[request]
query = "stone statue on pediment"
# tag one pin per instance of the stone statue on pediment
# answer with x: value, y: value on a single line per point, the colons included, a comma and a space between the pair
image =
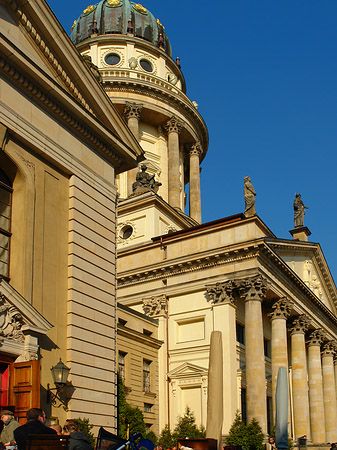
x: 145, y: 182
x: 249, y: 194
x: 299, y: 211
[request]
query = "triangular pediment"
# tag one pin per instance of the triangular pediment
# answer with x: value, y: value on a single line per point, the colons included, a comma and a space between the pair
x: 18, y: 316
x: 187, y: 370
x: 306, y: 259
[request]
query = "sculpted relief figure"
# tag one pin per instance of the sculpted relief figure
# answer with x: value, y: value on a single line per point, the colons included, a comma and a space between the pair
x: 299, y: 211
x: 249, y: 194
x: 144, y: 182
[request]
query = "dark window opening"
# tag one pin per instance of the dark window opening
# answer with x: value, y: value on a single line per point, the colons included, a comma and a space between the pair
x: 240, y: 333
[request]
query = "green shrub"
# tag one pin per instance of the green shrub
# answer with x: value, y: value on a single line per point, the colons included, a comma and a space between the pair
x: 248, y: 436
x: 85, y: 427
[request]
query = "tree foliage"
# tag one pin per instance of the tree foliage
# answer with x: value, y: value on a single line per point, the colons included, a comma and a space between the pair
x: 85, y: 427
x: 248, y: 436
x: 186, y: 428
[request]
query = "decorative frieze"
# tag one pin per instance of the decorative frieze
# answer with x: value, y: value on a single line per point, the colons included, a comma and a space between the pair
x: 281, y: 309
x: 155, y: 306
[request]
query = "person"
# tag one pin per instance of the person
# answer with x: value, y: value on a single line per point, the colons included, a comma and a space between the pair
x: 249, y: 194
x: 36, y: 419
x: 57, y: 428
x: 78, y: 441
x: 10, y: 424
x: 272, y: 445
x: 299, y: 211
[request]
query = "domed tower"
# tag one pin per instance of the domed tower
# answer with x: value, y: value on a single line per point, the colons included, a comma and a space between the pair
x: 133, y: 54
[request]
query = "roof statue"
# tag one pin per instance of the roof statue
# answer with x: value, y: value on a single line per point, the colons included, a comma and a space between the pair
x: 299, y: 211
x: 249, y: 194
x: 144, y: 182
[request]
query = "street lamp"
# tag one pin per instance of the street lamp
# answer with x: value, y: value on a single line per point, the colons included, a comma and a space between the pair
x: 60, y: 374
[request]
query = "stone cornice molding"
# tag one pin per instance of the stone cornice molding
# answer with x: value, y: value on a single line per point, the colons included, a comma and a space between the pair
x: 222, y: 293
x: 300, y: 325
x: 139, y: 337
x: 329, y: 349
x: 173, y: 125
x: 155, y: 306
x: 281, y: 309
x: 195, y: 149
x: 253, y: 288
x: 133, y: 109
x: 42, y: 96
x: 316, y: 337
x: 48, y: 54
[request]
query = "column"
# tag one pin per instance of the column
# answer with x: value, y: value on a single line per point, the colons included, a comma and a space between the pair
x: 317, y: 417
x: 224, y: 319
x: 173, y: 127
x: 132, y: 113
x: 195, y: 197
x: 329, y: 391
x: 252, y: 291
x: 300, y: 377
x: 279, y: 351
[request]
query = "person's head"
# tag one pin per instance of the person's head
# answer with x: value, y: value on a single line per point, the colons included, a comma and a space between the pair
x: 57, y: 428
x: 271, y: 440
x: 70, y: 426
x: 6, y: 415
x: 36, y: 414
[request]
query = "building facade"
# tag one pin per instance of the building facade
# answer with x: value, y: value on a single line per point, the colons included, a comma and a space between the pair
x: 62, y: 145
x: 274, y: 300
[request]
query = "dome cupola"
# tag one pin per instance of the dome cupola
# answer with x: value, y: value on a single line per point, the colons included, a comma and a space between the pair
x: 120, y: 17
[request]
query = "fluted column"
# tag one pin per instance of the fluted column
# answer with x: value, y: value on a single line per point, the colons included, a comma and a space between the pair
x: 252, y: 291
x: 222, y: 298
x: 279, y: 350
x: 173, y: 127
x: 329, y: 391
x: 132, y: 113
x: 300, y: 377
x: 317, y: 417
x: 195, y: 196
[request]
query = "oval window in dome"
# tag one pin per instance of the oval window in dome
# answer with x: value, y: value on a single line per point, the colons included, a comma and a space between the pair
x: 126, y: 232
x: 146, y: 65
x: 112, y: 59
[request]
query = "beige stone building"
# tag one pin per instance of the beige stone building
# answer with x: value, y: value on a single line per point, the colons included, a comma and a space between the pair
x: 274, y: 300
x: 138, y: 346
x: 62, y: 144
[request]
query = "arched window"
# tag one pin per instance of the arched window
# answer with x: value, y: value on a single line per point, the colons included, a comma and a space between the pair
x: 5, y: 222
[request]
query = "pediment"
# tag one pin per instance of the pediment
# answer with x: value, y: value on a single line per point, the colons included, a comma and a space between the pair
x: 187, y: 370
x: 18, y: 316
x: 308, y: 262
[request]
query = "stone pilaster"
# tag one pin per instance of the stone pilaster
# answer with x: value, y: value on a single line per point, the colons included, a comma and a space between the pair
x: 300, y: 377
x: 222, y: 298
x: 329, y: 391
x: 195, y: 195
x: 132, y: 113
x: 252, y: 291
x: 279, y: 351
x: 317, y: 416
x: 173, y: 127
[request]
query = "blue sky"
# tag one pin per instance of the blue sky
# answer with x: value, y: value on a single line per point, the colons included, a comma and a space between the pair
x: 264, y: 73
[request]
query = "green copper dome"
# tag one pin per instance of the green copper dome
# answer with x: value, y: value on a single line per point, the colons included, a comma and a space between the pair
x: 120, y: 17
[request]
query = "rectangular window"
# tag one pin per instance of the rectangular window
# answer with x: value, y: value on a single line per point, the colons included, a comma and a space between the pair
x: 146, y: 375
x: 269, y: 414
x: 244, y: 406
x: 240, y: 333
x: 147, y: 407
x: 5, y: 225
x: 121, y: 365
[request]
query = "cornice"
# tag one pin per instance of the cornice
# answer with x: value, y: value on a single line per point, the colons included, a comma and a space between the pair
x: 48, y: 54
x: 139, y: 337
x: 180, y: 101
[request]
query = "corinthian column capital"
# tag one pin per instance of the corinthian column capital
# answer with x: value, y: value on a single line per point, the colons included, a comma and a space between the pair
x: 252, y: 288
x: 195, y: 149
x: 173, y: 125
x: 329, y: 348
x: 281, y: 309
x: 155, y: 306
x: 133, y: 110
x: 316, y: 337
x: 299, y: 325
x: 222, y: 292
